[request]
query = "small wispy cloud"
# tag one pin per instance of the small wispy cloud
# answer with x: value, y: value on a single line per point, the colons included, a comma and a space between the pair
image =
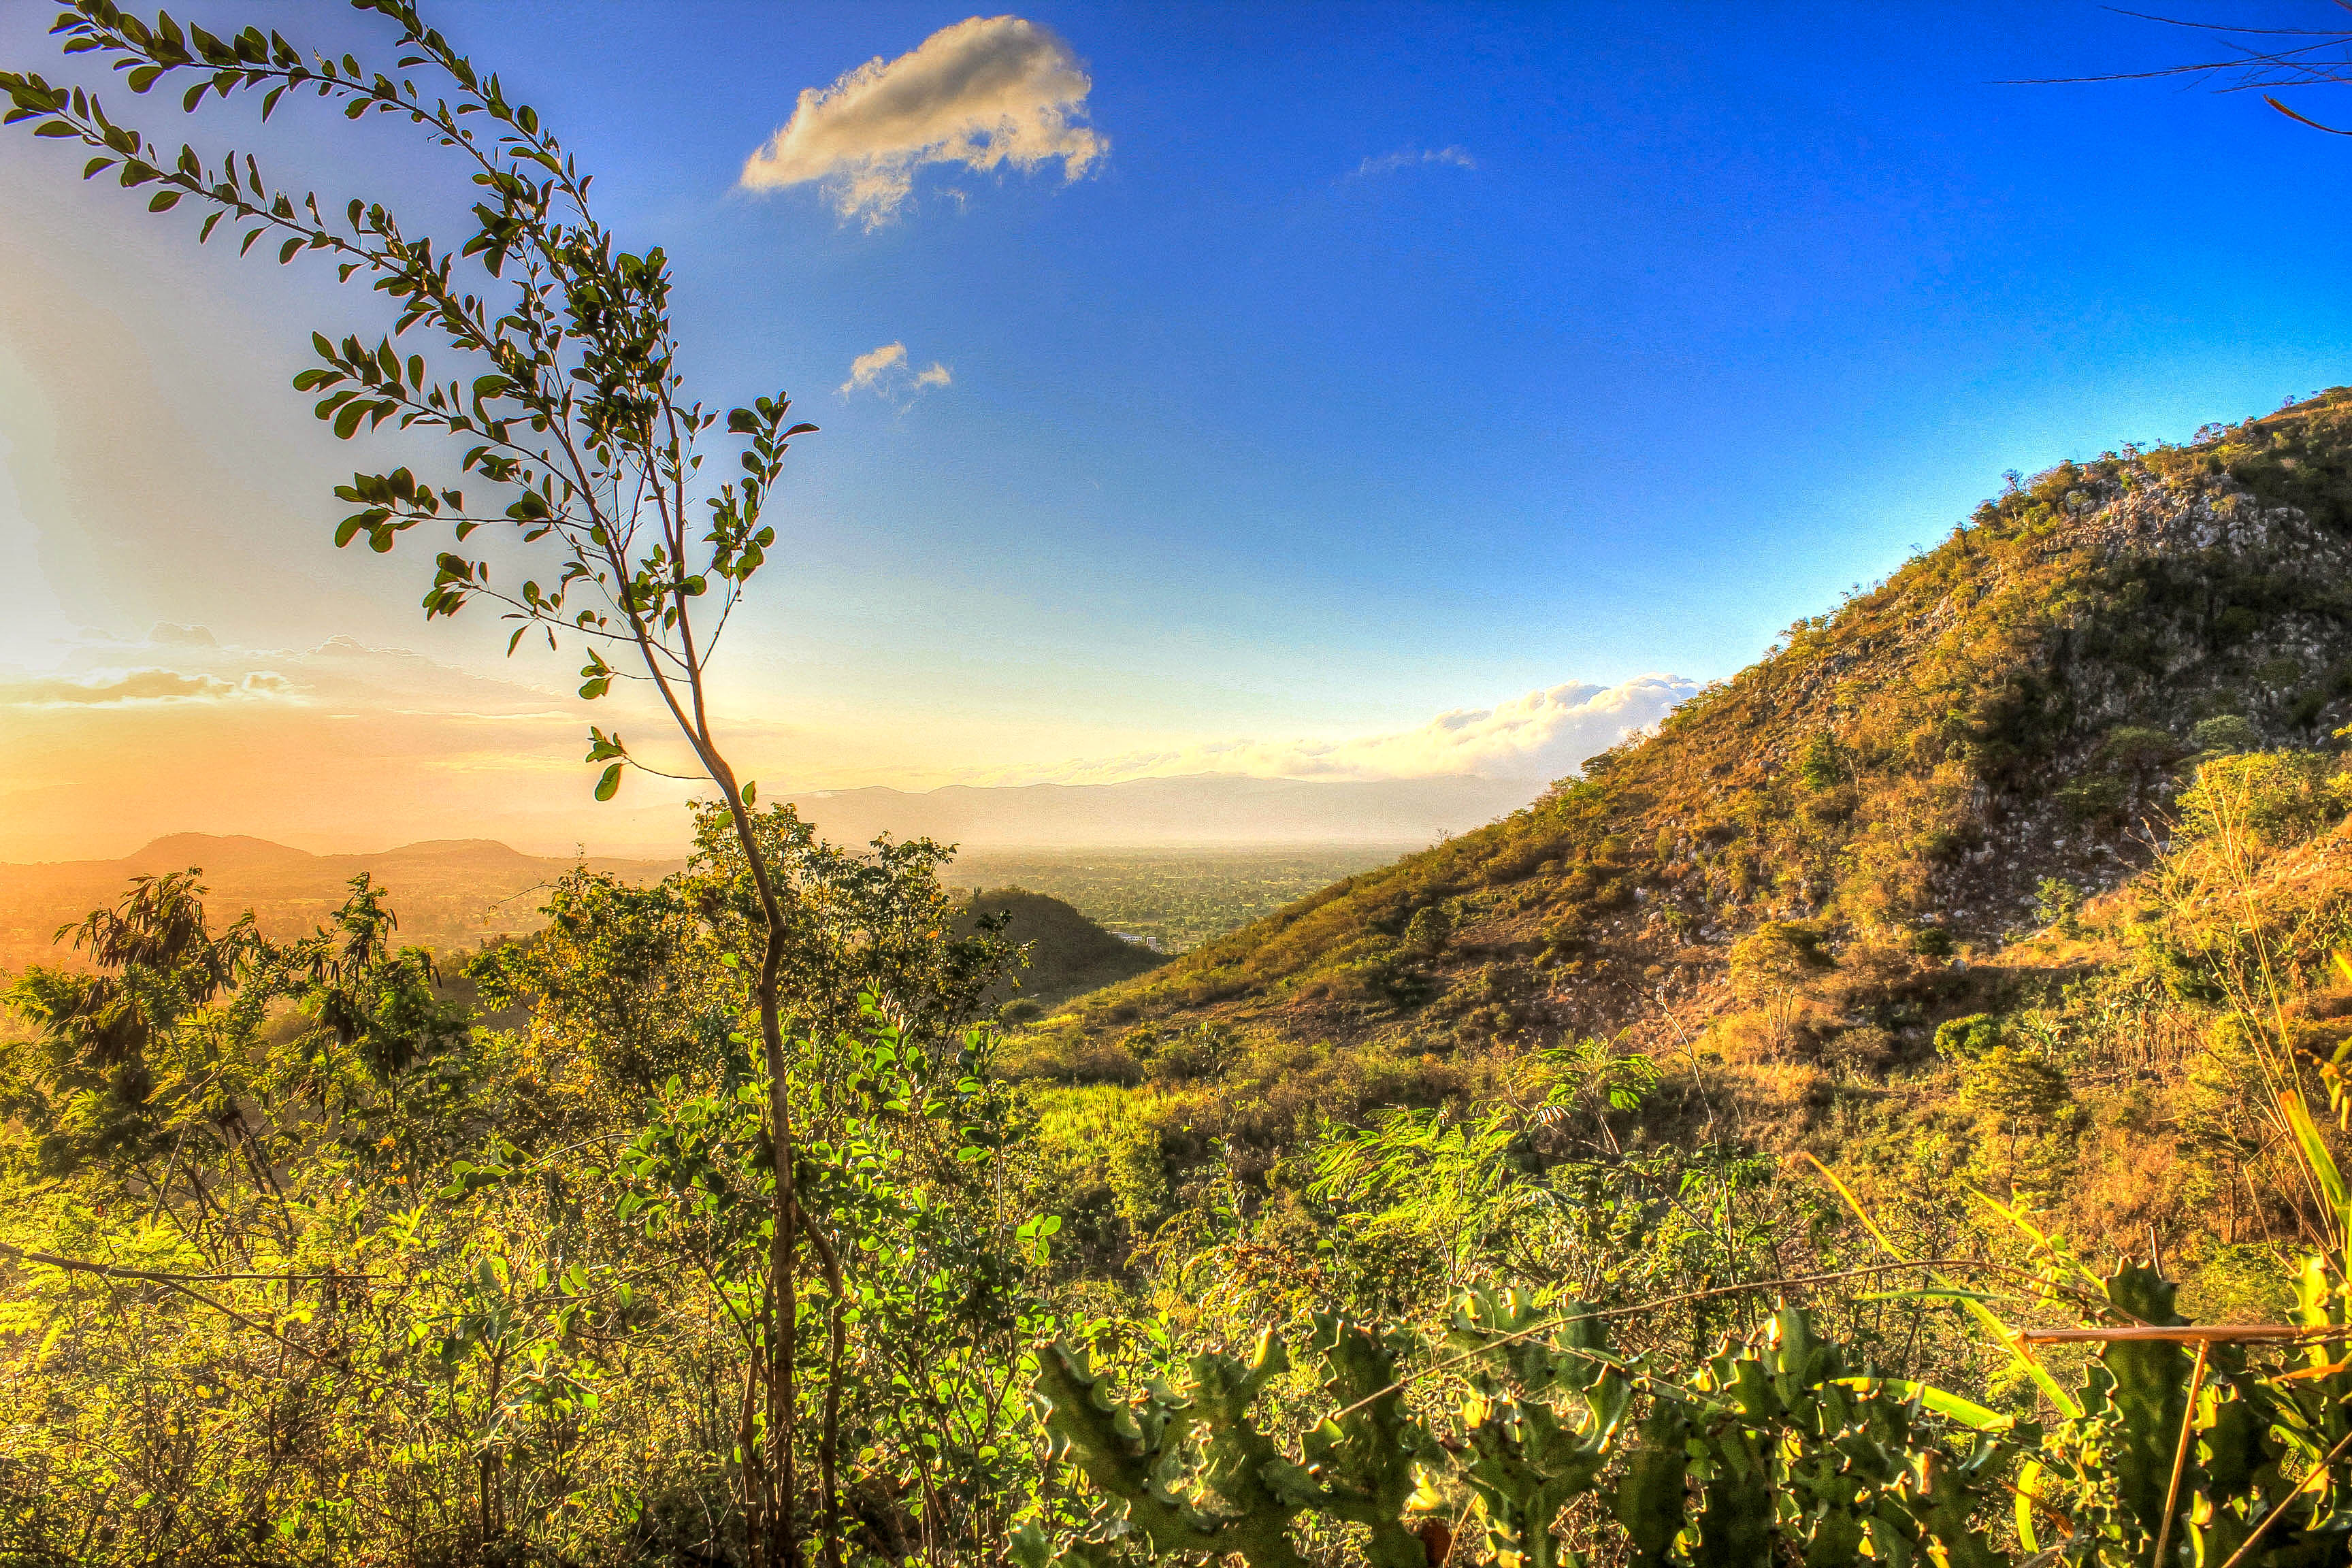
x: 886, y: 373
x: 170, y: 634
x: 1413, y: 158
x: 988, y: 91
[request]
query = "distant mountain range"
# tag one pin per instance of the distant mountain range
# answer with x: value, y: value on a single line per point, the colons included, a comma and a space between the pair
x: 458, y: 892
x: 447, y: 893
x: 1196, y: 809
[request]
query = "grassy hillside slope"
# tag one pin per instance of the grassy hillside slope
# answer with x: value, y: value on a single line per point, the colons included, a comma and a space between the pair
x: 1903, y: 773
x: 2019, y: 878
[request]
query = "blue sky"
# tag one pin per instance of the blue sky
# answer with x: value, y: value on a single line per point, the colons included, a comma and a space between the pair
x: 1395, y: 359
x: 1738, y: 303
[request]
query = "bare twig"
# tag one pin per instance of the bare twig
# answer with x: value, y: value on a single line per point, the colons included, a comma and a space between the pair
x: 2189, y: 1334
x: 160, y: 1277
x: 1548, y: 1324
x: 2181, y: 1453
x: 173, y: 1282
x: 2284, y: 1503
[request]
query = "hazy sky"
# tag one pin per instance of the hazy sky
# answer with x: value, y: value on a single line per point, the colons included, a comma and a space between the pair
x: 1268, y: 381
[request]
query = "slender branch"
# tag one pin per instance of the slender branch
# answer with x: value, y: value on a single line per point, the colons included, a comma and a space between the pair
x: 2276, y: 1514
x: 1641, y: 1308
x: 160, y: 1277
x: 175, y: 1282
x: 2189, y: 1334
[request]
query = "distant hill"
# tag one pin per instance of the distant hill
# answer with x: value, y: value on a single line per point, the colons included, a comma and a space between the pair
x: 1171, y: 900
x: 447, y: 893
x: 457, y: 892
x: 2010, y: 706
x: 1198, y: 810
x: 1069, y: 954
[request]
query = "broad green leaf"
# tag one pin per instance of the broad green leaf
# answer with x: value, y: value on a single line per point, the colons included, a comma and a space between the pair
x: 1968, y: 1413
x: 2318, y: 1164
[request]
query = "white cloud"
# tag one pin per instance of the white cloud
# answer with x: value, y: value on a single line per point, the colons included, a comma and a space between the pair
x: 867, y: 369
x: 174, y: 665
x: 1411, y: 158
x: 1542, y: 736
x: 122, y: 686
x: 983, y: 94
x: 886, y: 373
x: 339, y: 745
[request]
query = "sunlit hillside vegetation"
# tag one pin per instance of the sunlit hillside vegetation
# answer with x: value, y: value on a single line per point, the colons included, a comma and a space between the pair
x: 2012, y: 706
x: 1940, y: 813
x: 1069, y: 954
x: 2011, y: 892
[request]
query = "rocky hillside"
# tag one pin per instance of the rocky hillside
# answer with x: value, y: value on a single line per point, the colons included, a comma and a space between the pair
x: 1929, y: 770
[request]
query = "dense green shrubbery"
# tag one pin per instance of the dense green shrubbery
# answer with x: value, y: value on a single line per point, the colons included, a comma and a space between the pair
x: 311, y: 1267
x: 305, y: 1268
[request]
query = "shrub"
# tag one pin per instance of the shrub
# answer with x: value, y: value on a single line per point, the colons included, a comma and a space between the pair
x: 2228, y: 733
x: 2016, y: 1085
x: 2056, y: 902
x: 2096, y: 798
x: 1823, y: 766
x: 1425, y: 934
x: 1866, y: 1049
x: 1968, y: 1038
x: 2269, y: 799
x: 1778, y: 956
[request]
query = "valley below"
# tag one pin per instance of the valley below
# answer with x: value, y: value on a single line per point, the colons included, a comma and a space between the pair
x: 455, y: 896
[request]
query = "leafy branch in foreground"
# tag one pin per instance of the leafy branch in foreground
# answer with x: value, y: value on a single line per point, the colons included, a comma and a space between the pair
x: 551, y: 371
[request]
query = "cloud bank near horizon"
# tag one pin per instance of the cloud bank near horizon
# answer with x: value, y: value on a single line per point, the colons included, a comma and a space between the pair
x: 344, y: 745
x: 141, y: 685
x: 986, y: 92
x: 1540, y: 737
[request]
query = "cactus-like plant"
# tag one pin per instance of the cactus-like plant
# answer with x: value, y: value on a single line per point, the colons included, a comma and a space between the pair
x: 1786, y: 1449
x: 1788, y: 1453
x: 1186, y: 1472
x: 1236, y: 1495
x: 1529, y: 1458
